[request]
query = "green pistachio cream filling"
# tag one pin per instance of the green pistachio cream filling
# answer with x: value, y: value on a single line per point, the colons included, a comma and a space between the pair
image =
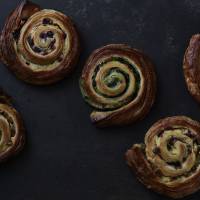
x: 115, y: 82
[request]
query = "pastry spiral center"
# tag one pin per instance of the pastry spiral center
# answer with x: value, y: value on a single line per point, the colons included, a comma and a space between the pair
x: 173, y: 152
x: 7, y: 131
x: 115, y: 82
x: 43, y: 40
x: 112, y: 81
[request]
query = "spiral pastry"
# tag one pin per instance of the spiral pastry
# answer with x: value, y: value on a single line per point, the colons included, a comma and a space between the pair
x: 39, y: 46
x: 119, y: 83
x: 191, y: 67
x: 11, y: 129
x: 169, y: 161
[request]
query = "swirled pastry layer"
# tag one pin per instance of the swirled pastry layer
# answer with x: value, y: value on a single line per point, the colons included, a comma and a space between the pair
x: 119, y: 83
x: 191, y: 67
x: 39, y: 46
x: 11, y: 129
x: 169, y: 161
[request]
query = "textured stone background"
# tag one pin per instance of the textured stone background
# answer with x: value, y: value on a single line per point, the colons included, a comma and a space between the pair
x: 66, y: 157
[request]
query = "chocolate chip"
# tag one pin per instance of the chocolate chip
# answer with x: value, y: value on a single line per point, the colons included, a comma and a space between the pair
x: 51, y: 46
x: 190, y: 134
x: 47, y: 21
x: 177, y: 164
x: 171, y: 142
x: 37, y: 49
x: 50, y: 34
x: 27, y: 63
x: 30, y: 41
x: 43, y: 35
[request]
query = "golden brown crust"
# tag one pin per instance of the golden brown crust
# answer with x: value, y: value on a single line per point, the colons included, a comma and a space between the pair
x: 120, y: 83
x: 12, y: 133
x: 39, y: 46
x: 191, y: 67
x: 169, y: 161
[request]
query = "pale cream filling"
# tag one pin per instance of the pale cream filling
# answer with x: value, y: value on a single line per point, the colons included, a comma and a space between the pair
x: 66, y: 47
x: 177, y: 153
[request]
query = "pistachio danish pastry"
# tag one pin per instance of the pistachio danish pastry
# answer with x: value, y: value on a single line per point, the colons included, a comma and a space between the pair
x: 169, y: 161
x: 119, y: 83
x: 12, y: 136
x: 39, y: 46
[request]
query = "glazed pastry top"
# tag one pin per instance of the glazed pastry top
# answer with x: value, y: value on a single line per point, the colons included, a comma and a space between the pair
x: 119, y: 83
x: 169, y: 160
x: 191, y: 66
x: 44, y: 41
x: 39, y: 46
x: 12, y: 136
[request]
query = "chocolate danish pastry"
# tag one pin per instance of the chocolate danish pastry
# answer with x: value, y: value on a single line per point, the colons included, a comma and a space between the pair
x: 12, y: 136
x: 191, y: 67
x: 119, y: 83
x: 169, y: 161
x: 39, y: 46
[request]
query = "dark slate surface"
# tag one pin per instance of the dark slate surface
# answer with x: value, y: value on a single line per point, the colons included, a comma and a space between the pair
x: 66, y: 157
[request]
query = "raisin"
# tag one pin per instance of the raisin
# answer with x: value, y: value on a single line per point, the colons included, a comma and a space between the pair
x: 30, y: 41
x: 50, y: 34
x: 37, y: 49
x: 47, y: 21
